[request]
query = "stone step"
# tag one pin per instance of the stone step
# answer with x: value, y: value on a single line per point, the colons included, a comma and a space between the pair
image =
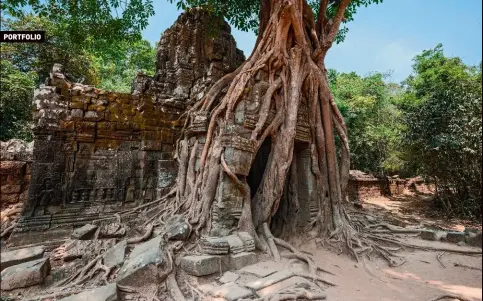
x: 25, y: 274
x: 19, y: 256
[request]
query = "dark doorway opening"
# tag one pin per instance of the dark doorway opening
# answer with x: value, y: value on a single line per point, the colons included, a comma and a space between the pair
x: 257, y: 169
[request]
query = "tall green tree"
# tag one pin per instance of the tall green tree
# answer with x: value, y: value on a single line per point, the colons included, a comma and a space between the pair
x: 444, y: 129
x: 373, y: 120
x: 16, y: 96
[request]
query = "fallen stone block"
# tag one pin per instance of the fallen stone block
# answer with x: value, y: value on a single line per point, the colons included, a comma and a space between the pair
x: 269, y: 280
x: 8, y: 259
x: 114, y: 256
x: 429, y: 235
x: 214, y: 245
x: 84, y: 232
x: 262, y: 269
x: 177, y: 228
x: 455, y: 237
x: 25, y: 274
x: 474, y: 239
x: 103, y: 293
x: 240, y: 260
x: 113, y: 230
x: 201, y: 265
x: 229, y: 277
x: 145, y: 264
x: 235, y: 243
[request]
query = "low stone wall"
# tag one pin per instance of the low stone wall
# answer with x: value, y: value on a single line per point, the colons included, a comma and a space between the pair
x: 15, y: 166
x: 363, y: 186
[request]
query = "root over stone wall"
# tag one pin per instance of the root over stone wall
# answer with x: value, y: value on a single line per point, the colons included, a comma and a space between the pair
x: 99, y: 152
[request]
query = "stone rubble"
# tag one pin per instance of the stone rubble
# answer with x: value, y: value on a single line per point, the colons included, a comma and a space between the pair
x: 19, y: 256
x: 25, y: 274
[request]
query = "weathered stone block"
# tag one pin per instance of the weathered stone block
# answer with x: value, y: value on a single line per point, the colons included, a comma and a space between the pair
x: 474, y: 239
x: 201, y: 265
x: 77, y: 114
x: 94, y: 116
x: 12, y: 167
x: 11, y: 189
x: 455, y: 237
x: 177, y: 228
x: 15, y: 257
x: 115, y: 255
x: 144, y: 265
x: 67, y: 125
x: 84, y: 232
x: 103, y: 293
x: 229, y: 277
x: 429, y: 235
x: 25, y: 274
x: 240, y: 260
x: 9, y: 198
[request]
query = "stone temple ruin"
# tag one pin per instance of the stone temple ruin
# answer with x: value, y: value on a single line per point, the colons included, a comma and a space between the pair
x: 98, y: 152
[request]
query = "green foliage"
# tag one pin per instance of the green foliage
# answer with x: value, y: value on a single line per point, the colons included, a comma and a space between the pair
x: 443, y: 139
x: 373, y: 120
x: 111, y: 68
x: 243, y: 14
x: 59, y: 47
x: 117, y: 74
x: 15, y: 101
x: 108, y: 21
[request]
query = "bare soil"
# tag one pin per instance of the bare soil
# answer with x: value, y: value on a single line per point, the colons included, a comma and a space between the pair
x: 422, y: 277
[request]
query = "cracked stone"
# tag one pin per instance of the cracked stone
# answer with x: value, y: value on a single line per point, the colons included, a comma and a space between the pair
x: 25, y: 274
x: 85, y: 232
x: 11, y: 258
x: 200, y: 265
x: 229, y: 277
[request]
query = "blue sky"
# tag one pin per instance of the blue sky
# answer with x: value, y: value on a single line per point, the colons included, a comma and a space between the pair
x: 383, y: 37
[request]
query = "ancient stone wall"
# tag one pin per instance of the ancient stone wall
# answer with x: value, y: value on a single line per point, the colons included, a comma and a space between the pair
x: 97, y: 152
x: 15, y: 166
x: 363, y: 186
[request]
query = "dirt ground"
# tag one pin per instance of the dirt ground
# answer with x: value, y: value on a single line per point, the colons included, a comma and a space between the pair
x: 422, y: 277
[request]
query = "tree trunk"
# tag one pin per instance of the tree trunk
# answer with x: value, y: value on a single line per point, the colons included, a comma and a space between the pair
x: 285, y: 70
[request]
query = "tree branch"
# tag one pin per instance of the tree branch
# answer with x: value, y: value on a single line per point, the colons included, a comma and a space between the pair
x: 334, y: 27
x: 319, y: 26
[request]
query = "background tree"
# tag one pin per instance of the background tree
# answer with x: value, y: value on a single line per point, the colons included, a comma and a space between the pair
x: 443, y: 140
x: 368, y: 105
x: 110, y: 68
x: 16, y: 95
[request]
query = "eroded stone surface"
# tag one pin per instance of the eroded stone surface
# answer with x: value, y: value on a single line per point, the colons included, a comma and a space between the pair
x: 229, y: 277
x: 115, y: 255
x: 177, y: 228
x: 25, y: 274
x: 103, y: 293
x: 240, y: 260
x: 262, y: 269
x: 20, y: 256
x: 145, y: 264
x: 455, y: 237
x: 84, y: 232
x: 200, y: 265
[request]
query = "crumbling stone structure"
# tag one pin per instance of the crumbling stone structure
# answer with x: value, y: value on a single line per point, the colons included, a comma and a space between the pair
x: 97, y: 151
